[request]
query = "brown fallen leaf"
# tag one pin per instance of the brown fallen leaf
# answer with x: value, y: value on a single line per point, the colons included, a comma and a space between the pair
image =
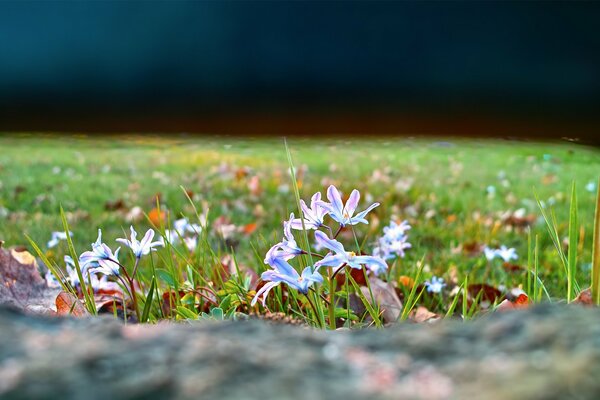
x: 522, y: 301
x: 584, y: 298
x: 356, y: 274
x: 385, y: 296
x: 116, y: 205
x: 488, y: 293
x: 422, y: 314
x: 21, y: 285
x: 68, y: 304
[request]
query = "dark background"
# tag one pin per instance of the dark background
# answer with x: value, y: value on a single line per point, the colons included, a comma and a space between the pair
x: 483, y: 68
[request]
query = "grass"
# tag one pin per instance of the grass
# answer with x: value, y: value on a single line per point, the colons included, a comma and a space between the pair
x: 452, y: 192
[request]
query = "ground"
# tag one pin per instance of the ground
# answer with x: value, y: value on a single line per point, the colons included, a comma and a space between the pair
x: 454, y: 192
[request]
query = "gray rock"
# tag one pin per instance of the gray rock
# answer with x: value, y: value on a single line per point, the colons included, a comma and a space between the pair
x: 545, y: 352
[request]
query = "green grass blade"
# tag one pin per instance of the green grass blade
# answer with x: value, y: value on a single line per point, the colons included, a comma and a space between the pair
x: 87, y: 294
x: 53, y: 268
x: 572, y: 252
x: 148, y: 304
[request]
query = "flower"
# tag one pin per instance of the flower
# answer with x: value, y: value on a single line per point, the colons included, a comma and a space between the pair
x: 313, y: 216
x: 344, y: 213
x: 394, y: 241
x: 490, y: 254
x: 57, y: 237
x: 375, y: 264
x: 287, y: 248
x: 101, y: 258
x: 91, y: 278
x: 191, y: 242
x: 282, y: 271
x: 182, y: 225
x: 435, y: 285
x: 590, y: 187
x: 143, y: 247
x: 507, y: 254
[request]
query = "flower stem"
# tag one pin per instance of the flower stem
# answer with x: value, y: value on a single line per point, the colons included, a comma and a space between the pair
x: 317, y: 315
x: 332, y: 325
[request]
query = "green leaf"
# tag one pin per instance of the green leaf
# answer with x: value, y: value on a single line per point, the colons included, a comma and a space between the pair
x: 166, y: 277
x: 148, y: 304
x: 186, y: 313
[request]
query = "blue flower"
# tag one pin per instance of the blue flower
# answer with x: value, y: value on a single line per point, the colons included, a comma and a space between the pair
x: 313, y: 216
x: 101, y: 258
x: 341, y: 213
x: 143, y: 247
x: 282, y: 271
x: 287, y: 248
x: 435, y: 285
x: 394, y: 241
x: 56, y: 238
x: 375, y: 264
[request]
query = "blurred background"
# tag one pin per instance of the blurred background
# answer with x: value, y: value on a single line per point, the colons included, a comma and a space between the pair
x: 458, y: 68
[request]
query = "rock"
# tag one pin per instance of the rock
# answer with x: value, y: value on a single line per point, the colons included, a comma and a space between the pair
x: 546, y: 352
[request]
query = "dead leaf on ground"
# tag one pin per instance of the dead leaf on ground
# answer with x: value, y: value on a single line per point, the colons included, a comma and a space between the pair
x: 422, y: 314
x: 584, y: 298
x: 488, y: 293
x: 115, y: 205
x: 21, y: 284
x: 68, y: 304
x: 385, y: 296
x: 157, y: 217
x: 522, y: 301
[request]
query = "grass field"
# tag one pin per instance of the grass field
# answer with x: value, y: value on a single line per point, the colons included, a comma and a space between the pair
x: 457, y: 194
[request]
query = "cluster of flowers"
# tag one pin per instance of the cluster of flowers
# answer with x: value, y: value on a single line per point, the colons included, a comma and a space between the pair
x: 394, y: 241
x: 102, y: 260
x: 185, y: 231
x: 313, y: 219
x: 503, y: 252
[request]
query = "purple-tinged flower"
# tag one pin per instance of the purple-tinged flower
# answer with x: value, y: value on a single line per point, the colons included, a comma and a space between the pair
x: 313, y: 216
x: 287, y: 248
x: 56, y: 238
x: 375, y: 264
x: 435, y: 285
x: 191, y: 242
x: 101, y: 258
x: 283, y: 272
x: 507, y: 254
x: 143, y: 247
x: 394, y: 241
x: 344, y: 214
x: 51, y: 280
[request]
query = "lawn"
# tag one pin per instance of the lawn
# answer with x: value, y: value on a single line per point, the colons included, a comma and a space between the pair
x: 457, y: 194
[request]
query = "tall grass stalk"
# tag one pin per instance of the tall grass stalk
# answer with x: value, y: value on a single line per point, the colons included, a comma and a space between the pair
x: 572, y: 251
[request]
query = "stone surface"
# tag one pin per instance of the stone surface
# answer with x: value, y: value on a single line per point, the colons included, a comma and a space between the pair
x: 543, y: 353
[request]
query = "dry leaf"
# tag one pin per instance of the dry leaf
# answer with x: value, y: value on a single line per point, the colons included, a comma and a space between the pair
x: 584, y: 298
x: 21, y: 285
x: 422, y: 314
x: 68, y: 304
x: 385, y: 296
x: 157, y: 217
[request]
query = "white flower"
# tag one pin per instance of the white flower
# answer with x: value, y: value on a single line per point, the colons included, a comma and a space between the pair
x: 143, y: 247
x: 56, y: 238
